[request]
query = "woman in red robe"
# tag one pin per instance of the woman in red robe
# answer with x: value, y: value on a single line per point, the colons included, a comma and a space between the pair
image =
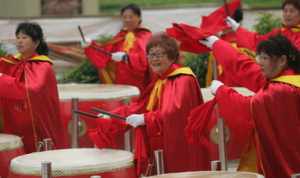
x: 28, y: 93
x: 127, y: 63
x: 274, y: 110
x: 290, y: 28
x: 160, y: 114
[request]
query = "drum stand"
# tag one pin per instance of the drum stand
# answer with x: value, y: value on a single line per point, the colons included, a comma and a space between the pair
x: 75, y: 120
x: 46, y: 170
x: 159, y: 161
x: 45, y: 145
x: 215, y: 165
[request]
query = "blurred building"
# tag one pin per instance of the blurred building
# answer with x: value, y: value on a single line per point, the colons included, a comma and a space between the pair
x: 40, y: 8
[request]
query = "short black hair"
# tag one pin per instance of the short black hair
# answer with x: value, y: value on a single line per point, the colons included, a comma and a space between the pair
x: 238, y: 15
x: 35, y: 31
x: 279, y: 45
x: 134, y: 8
x: 295, y: 3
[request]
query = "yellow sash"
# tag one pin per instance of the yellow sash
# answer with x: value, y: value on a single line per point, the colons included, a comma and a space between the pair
x: 158, y: 86
x: 129, y: 41
x: 293, y: 29
x: 288, y: 79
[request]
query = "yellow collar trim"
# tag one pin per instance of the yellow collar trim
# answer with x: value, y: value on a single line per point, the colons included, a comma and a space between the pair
x: 289, y: 79
x: 36, y: 58
x: 182, y: 70
x: 293, y: 29
x: 42, y: 58
x: 158, y: 86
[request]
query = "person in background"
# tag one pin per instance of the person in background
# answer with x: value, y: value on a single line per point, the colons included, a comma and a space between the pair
x: 161, y: 111
x: 127, y: 63
x: 28, y: 93
x: 273, y: 111
x: 290, y: 27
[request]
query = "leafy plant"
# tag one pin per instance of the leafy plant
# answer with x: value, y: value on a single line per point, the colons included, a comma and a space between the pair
x: 2, y: 50
x: 198, y: 64
x: 85, y: 72
x: 266, y: 22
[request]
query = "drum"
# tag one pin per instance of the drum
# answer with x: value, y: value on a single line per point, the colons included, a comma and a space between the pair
x: 210, y: 174
x: 104, y: 96
x: 10, y: 146
x: 76, y: 163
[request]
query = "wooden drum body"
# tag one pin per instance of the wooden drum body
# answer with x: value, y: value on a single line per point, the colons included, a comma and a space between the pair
x: 76, y: 163
x: 210, y: 174
x: 10, y: 146
x: 104, y: 96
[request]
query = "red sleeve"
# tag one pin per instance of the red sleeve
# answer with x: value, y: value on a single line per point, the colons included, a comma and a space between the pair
x: 233, y: 105
x: 247, y: 39
x: 96, y: 56
x: 179, y: 97
x: 244, y: 69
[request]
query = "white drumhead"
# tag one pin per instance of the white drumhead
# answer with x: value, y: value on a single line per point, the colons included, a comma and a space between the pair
x: 10, y: 142
x: 210, y: 174
x: 206, y: 94
x: 70, y: 162
x: 96, y: 91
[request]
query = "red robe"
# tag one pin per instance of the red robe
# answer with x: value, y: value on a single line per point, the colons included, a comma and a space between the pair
x: 250, y: 40
x: 29, y: 100
x: 274, y: 113
x: 166, y: 121
x: 133, y: 71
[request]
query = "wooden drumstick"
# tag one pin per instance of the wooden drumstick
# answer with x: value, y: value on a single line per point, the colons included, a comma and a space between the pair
x: 81, y: 34
x: 108, y: 113
x: 85, y: 114
x: 97, y: 48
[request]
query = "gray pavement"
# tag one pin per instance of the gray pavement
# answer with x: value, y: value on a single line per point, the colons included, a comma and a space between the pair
x: 61, y: 30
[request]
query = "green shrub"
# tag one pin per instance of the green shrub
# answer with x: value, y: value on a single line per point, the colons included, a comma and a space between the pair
x: 266, y: 22
x: 198, y: 64
x: 2, y: 50
x: 85, y: 72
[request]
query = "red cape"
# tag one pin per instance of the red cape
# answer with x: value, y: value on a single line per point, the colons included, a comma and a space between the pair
x: 30, y: 103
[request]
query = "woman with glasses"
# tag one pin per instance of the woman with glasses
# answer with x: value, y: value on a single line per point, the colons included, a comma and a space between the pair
x: 162, y: 110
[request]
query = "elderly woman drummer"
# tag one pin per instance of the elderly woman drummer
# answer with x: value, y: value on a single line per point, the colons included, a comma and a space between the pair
x: 162, y: 110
